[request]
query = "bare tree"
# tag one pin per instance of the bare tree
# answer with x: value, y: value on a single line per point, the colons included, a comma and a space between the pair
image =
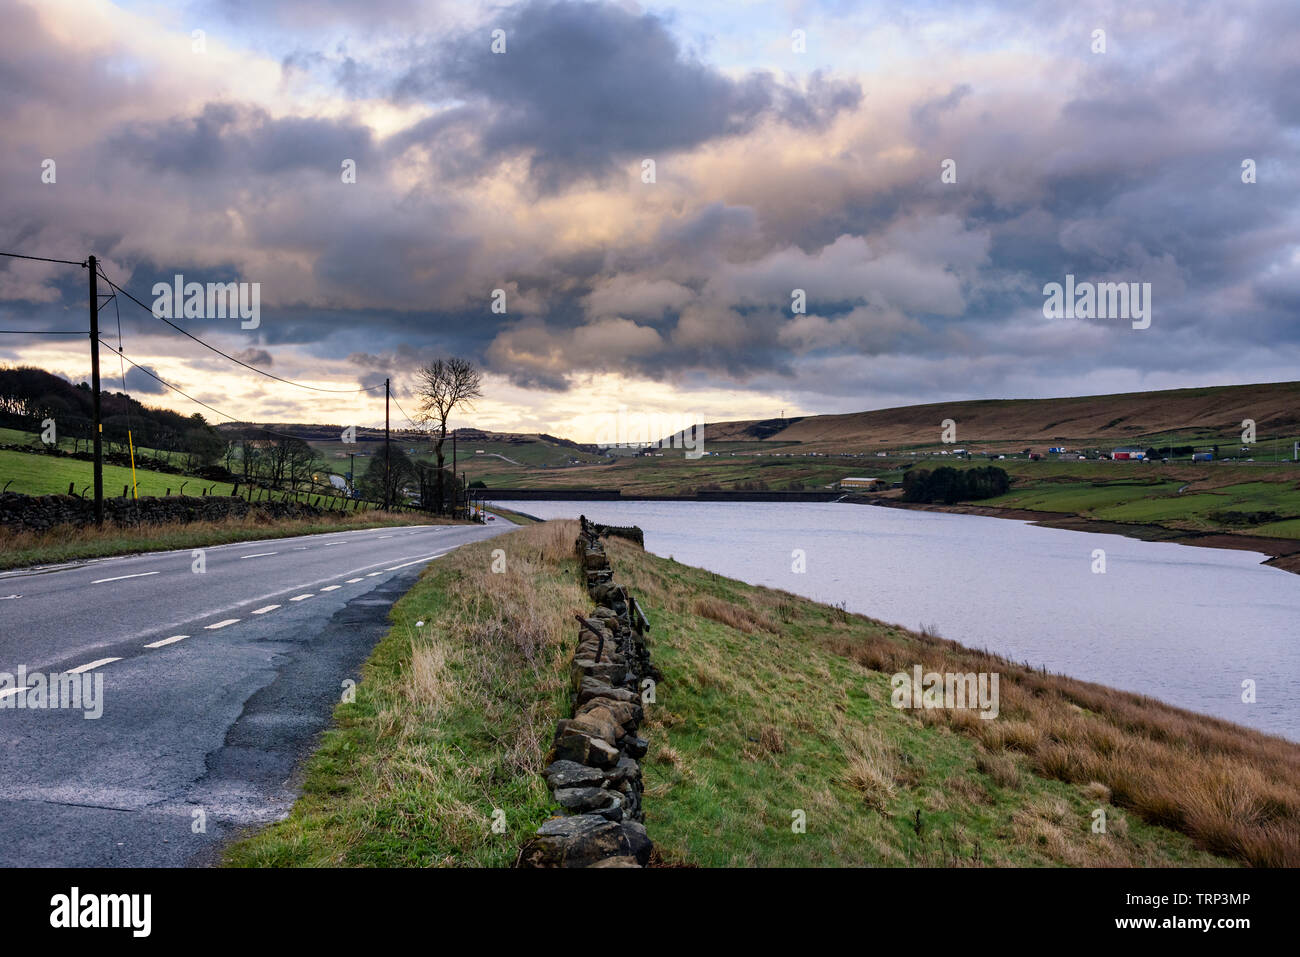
x: 445, y: 384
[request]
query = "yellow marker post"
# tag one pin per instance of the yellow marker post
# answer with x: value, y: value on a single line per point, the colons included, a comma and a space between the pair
x: 135, y: 486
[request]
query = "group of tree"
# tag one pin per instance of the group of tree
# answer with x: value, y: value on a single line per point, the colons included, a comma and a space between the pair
x: 949, y: 485
x: 30, y: 397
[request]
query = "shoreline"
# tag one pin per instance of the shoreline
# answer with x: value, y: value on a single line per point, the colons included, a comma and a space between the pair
x: 1283, y: 553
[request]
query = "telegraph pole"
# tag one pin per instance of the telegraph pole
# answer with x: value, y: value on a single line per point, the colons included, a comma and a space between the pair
x: 387, y: 467
x: 94, y: 391
x: 455, y: 486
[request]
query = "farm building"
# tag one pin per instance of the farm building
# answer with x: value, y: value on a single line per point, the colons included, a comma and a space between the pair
x: 1130, y: 452
x: 862, y: 483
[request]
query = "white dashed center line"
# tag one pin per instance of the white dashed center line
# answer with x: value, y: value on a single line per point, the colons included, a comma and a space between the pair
x: 166, y: 641
x: 100, y: 581
x: 331, y: 587
x: 259, y: 555
x: 94, y: 664
x: 373, y: 574
x: 264, y: 609
x: 222, y: 624
x: 11, y: 691
x: 302, y: 597
x: 352, y: 581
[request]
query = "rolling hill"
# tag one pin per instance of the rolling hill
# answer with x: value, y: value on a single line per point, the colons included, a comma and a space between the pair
x: 1196, y: 414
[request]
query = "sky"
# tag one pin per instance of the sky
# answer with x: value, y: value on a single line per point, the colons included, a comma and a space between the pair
x: 795, y: 146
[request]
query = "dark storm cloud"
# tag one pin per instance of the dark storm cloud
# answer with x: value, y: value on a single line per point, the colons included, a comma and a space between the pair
x: 255, y: 357
x: 585, y: 87
x: 224, y: 136
x: 140, y: 381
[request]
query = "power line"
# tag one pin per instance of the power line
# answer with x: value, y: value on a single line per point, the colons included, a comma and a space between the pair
x: 224, y: 415
x: 403, y: 411
x: 225, y: 355
x: 38, y: 332
x: 44, y: 259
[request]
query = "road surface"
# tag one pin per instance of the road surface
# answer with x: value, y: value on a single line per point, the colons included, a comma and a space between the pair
x: 215, y: 686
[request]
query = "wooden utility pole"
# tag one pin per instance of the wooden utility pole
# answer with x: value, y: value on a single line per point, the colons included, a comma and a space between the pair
x: 97, y: 425
x: 455, y: 488
x: 387, y: 465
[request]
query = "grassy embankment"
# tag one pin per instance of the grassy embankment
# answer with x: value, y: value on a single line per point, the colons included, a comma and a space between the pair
x: 770, y: 703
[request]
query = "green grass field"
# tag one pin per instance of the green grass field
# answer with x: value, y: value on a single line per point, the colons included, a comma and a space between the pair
x: 38, y: 474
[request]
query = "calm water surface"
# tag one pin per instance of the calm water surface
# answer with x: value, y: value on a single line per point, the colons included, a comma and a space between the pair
x: 1186, y: 625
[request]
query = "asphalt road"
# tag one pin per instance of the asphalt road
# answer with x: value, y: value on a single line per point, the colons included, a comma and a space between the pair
x: 215, y: 686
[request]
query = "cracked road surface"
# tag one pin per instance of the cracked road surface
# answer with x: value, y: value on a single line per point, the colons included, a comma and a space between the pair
x: 215, y: 686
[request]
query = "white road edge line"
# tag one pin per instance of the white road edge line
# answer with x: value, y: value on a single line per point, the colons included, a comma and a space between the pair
x: 94, y: 664
x: 264, y: 609
x: 166, y: 641
x: 222, y: 624
x: 100, y: 581
x: 416, y: 562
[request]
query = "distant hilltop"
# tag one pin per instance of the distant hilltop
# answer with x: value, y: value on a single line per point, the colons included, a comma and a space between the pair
x: 1120, y: 419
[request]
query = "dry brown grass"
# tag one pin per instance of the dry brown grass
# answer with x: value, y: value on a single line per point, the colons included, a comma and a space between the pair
x: 729, y: 614
x: 871, y: 764
x: 1001, y: 768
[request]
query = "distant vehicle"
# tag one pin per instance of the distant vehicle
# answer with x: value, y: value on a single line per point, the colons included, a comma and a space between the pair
x: 1202, y: 456
x: 1056, y: 450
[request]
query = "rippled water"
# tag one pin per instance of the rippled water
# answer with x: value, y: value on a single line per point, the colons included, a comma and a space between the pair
x: 1186, y: 625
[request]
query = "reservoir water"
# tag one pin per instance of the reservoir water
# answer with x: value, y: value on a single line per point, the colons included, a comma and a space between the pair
x: 1185, y: 625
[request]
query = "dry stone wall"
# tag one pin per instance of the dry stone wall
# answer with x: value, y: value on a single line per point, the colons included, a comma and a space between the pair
x: 595, y: 772
x: 39, y: 512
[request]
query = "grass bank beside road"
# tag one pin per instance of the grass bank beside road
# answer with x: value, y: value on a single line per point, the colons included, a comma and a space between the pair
x: 65, y: 543
x: 771, y: 707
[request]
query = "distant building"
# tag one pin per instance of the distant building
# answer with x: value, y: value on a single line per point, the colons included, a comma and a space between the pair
x: 862, y: 483
x: 1130, y: 452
